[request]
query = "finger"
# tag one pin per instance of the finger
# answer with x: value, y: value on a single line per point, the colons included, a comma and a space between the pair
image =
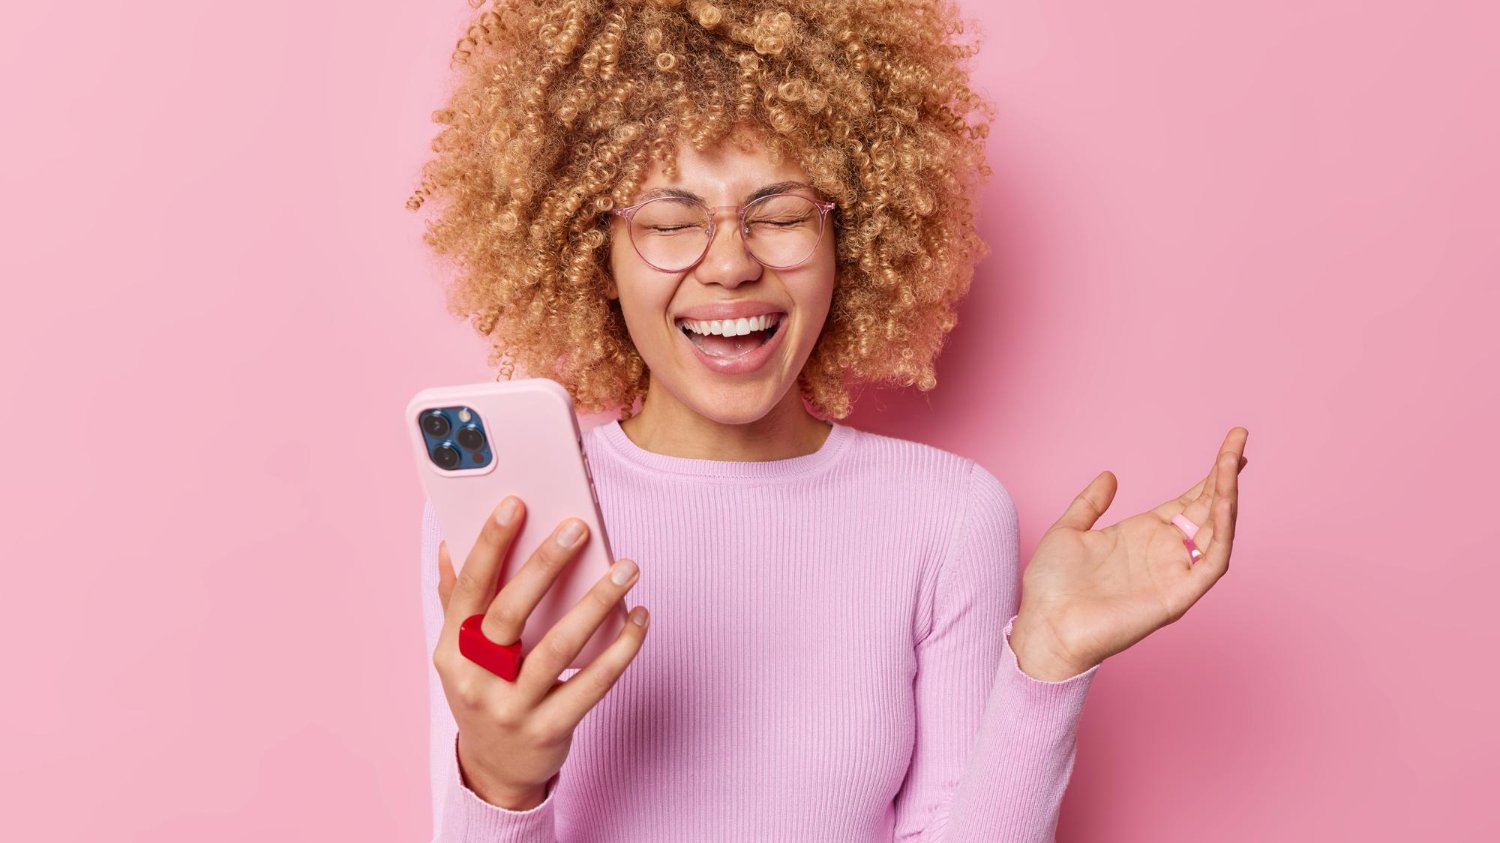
x: 566, y: 639
x: 1090, y: 503
x: 476, y: 581
x: 505, y: 617
x: 1203, y: 511
x: 1194, y: 504
x: 1234, y: 443
x: 1169, y: 508
x: 1225, y: 510
x: 587, y: 687
x: 1216, y: 538
x: 445, y: 574
x: 1230, y: 455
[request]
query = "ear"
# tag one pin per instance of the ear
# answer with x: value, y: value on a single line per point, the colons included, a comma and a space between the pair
x: 610, y: 291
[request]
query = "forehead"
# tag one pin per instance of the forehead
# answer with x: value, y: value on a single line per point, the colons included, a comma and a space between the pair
x: 725, y: 173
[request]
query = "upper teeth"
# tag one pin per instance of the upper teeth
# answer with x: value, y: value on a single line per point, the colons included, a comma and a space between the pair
x: 732, y: 327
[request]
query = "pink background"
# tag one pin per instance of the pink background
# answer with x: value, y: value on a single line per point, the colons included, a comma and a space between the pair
x: 1280, y: 215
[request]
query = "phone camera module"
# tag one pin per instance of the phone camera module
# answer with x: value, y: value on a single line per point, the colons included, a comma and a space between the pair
x: 471, y: 437
x: 434, y: 423
x: 446, y: 456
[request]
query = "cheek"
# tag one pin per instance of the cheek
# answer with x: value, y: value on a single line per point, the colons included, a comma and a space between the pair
x: 642, y: 302
x: 815, y: 290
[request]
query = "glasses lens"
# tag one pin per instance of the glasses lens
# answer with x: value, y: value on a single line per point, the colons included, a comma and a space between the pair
x: 783, y: 229
x: 670, y: 233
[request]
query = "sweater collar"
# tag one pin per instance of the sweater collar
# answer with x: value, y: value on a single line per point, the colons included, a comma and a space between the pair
x: 622, y: 446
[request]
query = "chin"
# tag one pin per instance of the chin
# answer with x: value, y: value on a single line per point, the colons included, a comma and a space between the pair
x: 731, y: 405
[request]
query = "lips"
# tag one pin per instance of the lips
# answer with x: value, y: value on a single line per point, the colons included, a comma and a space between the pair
x: 731, y: 355
x: 728, y: 310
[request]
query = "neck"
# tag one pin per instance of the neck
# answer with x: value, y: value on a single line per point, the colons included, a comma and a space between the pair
x: 669, y: 427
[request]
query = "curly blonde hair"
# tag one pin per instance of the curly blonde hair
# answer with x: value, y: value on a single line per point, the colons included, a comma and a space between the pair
x: 562, y: 106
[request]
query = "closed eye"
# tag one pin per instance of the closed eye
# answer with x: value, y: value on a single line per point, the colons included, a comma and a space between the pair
x: 780, y: 223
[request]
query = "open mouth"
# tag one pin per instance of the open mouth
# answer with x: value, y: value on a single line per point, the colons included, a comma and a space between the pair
x: 730, y: 338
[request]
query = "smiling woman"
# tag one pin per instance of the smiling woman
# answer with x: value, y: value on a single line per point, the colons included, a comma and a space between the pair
x: 714, y: 217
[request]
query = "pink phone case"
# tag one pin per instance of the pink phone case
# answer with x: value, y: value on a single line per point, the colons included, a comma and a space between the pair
x: 537, y: 455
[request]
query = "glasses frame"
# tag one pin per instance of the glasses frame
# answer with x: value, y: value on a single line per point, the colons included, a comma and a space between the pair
x: 628, y: 214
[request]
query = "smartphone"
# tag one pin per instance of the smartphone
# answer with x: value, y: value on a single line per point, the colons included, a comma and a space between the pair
x: 474, y: 445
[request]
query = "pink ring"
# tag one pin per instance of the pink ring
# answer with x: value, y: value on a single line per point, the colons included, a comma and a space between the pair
x: 1186, y: 526
x: 1193, y: 551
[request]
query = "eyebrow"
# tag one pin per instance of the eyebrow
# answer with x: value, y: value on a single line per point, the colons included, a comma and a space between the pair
x: 778, y: 187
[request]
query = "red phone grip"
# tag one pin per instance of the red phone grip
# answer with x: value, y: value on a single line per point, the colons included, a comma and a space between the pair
x: 503, y: 660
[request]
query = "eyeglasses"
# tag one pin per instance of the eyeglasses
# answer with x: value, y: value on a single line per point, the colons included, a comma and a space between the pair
x: 672, y: 233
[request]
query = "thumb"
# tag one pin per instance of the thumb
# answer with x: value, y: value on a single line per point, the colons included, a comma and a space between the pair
x: 1090, y: 503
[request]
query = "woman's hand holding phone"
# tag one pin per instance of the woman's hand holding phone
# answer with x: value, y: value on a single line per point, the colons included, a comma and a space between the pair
x: 514, y: 736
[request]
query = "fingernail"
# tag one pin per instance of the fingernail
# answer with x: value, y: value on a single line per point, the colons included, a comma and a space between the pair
x: 507, y: 512
x: 638, y: 617
x: 570, y: 534
x: 624, y: 570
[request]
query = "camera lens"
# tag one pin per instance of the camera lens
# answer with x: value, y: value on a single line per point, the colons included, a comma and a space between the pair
x: 434, y: 423
x: 446, y: 456
x: 471, y: 437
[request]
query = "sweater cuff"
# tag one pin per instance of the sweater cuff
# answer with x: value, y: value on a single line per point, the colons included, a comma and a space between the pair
x: 1060, y: 701
x: 467, y: 817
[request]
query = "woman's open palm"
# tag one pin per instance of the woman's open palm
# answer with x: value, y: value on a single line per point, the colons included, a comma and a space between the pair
x: 1092, y: 593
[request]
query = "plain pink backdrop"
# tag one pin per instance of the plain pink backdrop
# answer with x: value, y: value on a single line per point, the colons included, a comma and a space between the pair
x: 1279, y: 215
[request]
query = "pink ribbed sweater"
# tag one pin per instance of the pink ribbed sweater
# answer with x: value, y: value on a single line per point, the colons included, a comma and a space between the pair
x: 828, y: 660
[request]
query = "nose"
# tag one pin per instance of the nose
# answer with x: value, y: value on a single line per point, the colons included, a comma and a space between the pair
x: 727, y: 262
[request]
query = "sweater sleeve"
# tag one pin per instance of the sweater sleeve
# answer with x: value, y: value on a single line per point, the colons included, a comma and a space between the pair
x: 994, y: 746
x: 459, y: 815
